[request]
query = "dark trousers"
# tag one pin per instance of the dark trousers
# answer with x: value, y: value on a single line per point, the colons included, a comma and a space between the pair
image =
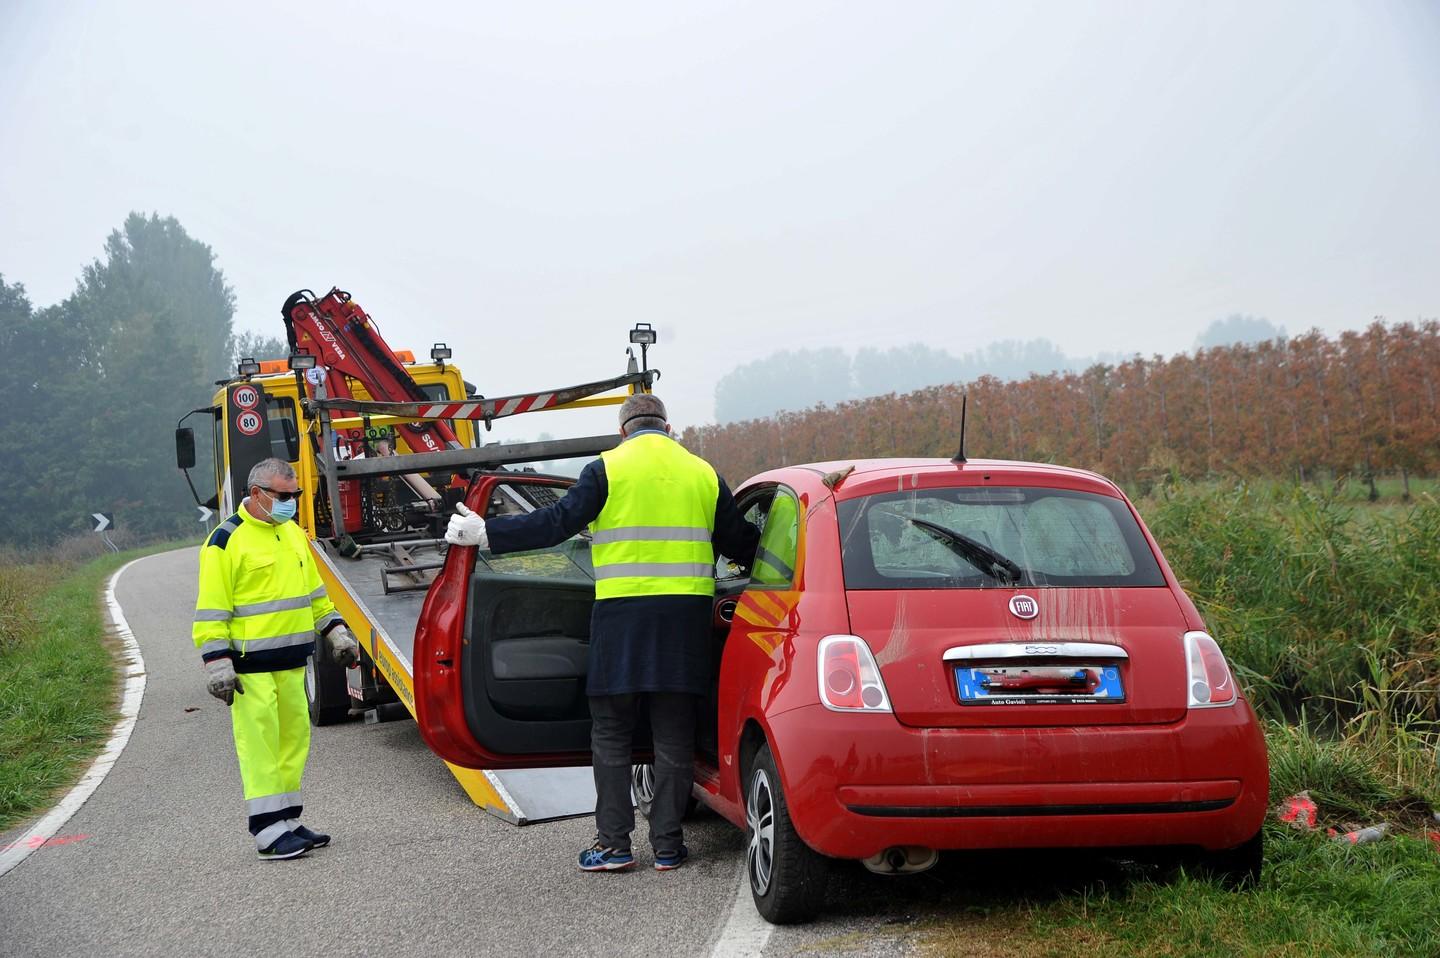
x: 612, y: 728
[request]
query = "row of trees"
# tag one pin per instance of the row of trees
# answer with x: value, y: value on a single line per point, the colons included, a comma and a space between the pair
x: 801, y: 378
x: 91, y: 387
x: 1361, y: 403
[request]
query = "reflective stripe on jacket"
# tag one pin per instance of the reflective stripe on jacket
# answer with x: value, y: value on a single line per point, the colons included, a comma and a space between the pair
x: 652, y: 536
x: 259, y: 591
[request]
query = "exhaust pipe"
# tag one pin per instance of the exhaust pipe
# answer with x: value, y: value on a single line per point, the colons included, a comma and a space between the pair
x: 903, y: 860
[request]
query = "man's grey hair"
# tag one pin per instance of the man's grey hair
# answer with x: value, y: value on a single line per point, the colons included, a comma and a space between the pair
x: 266, y: 471
x: 642, y: 411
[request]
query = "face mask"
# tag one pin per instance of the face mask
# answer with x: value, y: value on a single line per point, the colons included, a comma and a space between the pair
x: 282, y: 511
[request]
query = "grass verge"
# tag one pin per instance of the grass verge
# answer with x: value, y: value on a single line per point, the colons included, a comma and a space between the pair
x: 1317, y: 896
x: 58, y: 678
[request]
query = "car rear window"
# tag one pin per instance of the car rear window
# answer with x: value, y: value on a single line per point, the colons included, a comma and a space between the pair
x: 1026, y: 536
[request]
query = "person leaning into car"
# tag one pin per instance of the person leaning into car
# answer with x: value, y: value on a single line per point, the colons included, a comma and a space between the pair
x: 657, y: 514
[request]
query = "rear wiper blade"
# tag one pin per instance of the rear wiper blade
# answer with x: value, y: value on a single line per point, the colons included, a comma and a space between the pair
x: 981, y: 556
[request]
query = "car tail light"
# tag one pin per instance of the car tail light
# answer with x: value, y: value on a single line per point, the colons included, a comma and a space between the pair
x: 1210, y: 683
x: 849, y: 678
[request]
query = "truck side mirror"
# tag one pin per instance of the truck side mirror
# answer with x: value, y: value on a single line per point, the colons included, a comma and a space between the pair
x: 185, y: 448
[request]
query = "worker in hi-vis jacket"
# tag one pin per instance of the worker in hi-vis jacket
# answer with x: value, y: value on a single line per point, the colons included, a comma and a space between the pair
x: 656, y: 514
x: 260, y: 606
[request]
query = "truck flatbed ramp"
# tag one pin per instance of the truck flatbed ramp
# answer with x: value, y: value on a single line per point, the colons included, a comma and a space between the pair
x: 521, y: 797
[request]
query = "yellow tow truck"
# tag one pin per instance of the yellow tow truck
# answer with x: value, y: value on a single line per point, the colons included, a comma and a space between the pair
x: 383, y: 447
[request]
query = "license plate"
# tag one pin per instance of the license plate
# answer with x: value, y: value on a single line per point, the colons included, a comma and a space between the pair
x: 1039, y: 685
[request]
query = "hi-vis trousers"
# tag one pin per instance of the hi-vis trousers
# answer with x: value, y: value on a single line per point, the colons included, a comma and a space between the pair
x: 271, y: 722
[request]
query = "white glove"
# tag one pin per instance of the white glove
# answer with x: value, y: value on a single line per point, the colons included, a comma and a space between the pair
x: 343, y: 647
x: 466, y: 528
x: 221, y: 680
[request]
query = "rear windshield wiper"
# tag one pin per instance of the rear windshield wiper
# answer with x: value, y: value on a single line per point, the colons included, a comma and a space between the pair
x: 981, y: 556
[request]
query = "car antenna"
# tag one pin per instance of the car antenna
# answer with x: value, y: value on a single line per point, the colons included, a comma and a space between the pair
x: 960, y: 456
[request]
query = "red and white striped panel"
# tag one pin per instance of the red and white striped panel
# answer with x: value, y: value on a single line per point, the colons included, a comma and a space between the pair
x: 488, y: 409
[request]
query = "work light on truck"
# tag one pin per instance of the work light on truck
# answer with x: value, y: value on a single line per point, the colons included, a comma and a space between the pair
x: 849, y: 678
x: 440, y: 352
x: 1209, y: 682
x: 302, y: 361
x: 248, y: 367
x: 643, y: 334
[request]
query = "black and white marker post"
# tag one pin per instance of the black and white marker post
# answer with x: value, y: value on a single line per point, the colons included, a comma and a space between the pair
x: 103, y: 522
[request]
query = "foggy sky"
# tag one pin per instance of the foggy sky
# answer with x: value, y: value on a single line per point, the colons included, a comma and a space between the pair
x: 526, y: 181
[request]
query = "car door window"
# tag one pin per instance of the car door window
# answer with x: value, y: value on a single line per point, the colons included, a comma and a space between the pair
x: 753, y: 509
x: 570, y: 559
x: 779, y: 541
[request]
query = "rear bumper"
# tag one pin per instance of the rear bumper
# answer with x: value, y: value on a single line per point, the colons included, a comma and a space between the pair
x: 857, y: 784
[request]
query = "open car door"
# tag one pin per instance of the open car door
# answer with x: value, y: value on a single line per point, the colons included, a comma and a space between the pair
x: 503, y: 643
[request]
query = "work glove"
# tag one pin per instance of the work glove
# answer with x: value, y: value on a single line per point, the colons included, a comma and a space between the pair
x: 223, y: 683
x: 343, y: 647
x: 466, y: 528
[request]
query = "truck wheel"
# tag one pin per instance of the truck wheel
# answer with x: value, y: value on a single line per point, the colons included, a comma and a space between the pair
x: 1237, y: 867
x: 325, y: 689
x: 642, y: 784
x: 787, y: 877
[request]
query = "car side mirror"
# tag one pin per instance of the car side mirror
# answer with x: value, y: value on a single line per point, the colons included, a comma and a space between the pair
x: 185, y: 448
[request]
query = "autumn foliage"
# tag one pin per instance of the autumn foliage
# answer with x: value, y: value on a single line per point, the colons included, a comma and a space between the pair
x: 1362, y: 403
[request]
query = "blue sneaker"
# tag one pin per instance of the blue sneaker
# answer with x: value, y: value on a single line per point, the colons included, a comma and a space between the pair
x: 598, y: 858
x: 316, y: 839
x: 669, y: 861
x: 288, y: 845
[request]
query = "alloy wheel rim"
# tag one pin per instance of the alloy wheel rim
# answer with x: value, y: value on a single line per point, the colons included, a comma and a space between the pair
x: 642, y: 780
x: 760, y: 821
x: 310, y: 678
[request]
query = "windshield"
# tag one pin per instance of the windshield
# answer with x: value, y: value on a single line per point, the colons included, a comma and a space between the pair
x: 966, y: 538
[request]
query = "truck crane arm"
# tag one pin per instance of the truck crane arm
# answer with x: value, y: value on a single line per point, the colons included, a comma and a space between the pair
x: 342, y: 338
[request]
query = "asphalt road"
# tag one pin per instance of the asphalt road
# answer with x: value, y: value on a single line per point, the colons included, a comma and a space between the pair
x: 158, y: 861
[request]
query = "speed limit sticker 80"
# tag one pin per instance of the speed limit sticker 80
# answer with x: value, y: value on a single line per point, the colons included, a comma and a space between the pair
x: 249, y: 422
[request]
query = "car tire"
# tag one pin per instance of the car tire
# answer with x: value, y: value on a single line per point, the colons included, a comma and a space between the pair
x: 642, y: 785
x: 325, y: 689
x: 787, y: 877
x: 1238, y: 867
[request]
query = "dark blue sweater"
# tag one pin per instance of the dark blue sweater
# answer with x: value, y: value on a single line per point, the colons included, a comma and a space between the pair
x: 643, y: 643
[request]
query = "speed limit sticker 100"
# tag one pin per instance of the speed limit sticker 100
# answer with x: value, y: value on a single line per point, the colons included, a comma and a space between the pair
x: 249, y: 422
x: 246, y: 397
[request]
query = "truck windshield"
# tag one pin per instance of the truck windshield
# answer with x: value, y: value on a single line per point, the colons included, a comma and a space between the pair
x: 1054, y: 538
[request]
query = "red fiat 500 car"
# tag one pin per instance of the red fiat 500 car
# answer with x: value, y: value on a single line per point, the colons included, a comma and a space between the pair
x: 926, y: 655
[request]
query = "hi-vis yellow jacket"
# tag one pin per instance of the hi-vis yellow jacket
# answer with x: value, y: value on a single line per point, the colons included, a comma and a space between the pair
x: 261, y: 599
x: 652, y: 536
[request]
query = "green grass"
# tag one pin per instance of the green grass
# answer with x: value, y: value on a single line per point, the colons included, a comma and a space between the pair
x: 58, y: 680
x: 1316, y: 897
x: 1322, y: 604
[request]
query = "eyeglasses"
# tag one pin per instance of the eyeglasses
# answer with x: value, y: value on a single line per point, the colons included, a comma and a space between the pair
x: 281, y: 495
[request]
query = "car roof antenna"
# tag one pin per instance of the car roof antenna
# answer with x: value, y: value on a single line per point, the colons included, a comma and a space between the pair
x: 960, y: 456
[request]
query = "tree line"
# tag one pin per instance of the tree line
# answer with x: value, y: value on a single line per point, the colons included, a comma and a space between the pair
x: 801, y: 378
x: 1361, y: 403
x: 91, y: 387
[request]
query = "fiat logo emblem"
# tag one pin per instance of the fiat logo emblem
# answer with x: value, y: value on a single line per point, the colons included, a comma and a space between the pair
x: 1024, y: 607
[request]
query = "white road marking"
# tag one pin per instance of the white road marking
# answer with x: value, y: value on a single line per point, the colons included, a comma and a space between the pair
x: 134, y: 691
x: 745, y: 933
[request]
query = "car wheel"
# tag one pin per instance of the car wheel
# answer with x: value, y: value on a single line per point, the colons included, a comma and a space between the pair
x: 1237, y: 867
x: 325, y: 689
x: 642, y: 784
x: 787, y: 877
